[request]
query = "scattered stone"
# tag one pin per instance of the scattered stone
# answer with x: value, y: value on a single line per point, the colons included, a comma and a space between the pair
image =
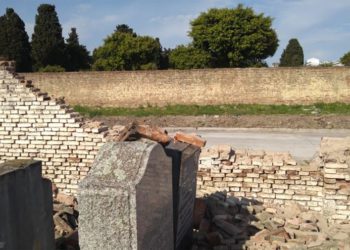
x: 249, y: 226
x: 65, y: 199
x: 340, y: 236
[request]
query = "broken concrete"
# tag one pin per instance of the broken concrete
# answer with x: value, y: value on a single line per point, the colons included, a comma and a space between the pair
x: 25, y: 207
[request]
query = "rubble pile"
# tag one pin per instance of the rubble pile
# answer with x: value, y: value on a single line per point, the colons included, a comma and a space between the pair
x: 65, y: 218
x: 224, y: 222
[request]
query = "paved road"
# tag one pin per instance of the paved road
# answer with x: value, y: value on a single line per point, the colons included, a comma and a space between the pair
x: 302, y: 143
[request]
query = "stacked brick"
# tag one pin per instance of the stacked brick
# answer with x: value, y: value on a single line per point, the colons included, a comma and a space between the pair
x: 335, y: 155
x: 34, y: 125
x: 277, y: 178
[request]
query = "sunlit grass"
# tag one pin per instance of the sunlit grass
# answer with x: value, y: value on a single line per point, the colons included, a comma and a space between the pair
x: 227, y: 109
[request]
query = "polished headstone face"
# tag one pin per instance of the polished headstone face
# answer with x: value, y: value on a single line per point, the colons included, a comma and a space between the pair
x: 185, y: 165
x: 25, y: 207
x: 126, y: 200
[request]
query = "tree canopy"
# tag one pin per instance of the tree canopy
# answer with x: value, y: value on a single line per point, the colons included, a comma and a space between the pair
x: 234, y: 37
x: 188, y: 57
x: 48, y: 46
x: 293, y: 55
x: 345, y: 59
x: 14, y: 41
x: 125, y: 50
x: 78, y: 55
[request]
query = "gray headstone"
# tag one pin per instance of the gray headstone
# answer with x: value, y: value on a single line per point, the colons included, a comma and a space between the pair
x: 125, y: 202
x: 25, y: 207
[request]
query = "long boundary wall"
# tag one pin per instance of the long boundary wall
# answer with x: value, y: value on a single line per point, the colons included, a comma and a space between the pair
x: 304, y: 85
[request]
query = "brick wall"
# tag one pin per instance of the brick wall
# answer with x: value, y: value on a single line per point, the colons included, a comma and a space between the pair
x: 213, y: 86
x: 33, y: 125
x: 321, y: 185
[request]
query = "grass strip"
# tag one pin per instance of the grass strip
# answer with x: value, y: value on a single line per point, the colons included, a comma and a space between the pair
x: 227, y: 109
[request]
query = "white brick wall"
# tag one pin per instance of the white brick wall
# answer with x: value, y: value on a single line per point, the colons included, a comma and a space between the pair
x: 33, y: 125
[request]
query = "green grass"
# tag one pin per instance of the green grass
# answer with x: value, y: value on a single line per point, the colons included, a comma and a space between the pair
x: 228, y: 109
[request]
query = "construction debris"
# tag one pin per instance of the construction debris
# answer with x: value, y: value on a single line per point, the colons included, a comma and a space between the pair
x: 135, y: 131
x: 226, y: 223
x: 65, y: 217
x: 190, y: 139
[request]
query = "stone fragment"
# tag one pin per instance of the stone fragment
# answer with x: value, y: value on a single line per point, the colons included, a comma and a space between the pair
x: 271, y: 210
x: 340, y: 236
x: 279, y: 221
x: 61, y: 224
x: 65, y: 199
x: 308, y: 227
x: 214, y: 238
x: 261, y: 235
x: 293, y: 223
x: 270, y: 225
x: 228, y: 227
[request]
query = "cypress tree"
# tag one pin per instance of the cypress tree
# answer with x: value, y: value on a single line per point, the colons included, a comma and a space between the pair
x: 78, y: 55
x: 293, y: 55
x: 14, y: 41
x: 3, y: 37
x: 48, y: 46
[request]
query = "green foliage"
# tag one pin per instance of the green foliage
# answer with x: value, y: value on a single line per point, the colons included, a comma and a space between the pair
x: 234, y: 37
x: 14, y: 41
x: 188, y: 57
x: 52, y: 68
x: 78, y: 55
x: 326, y: 64
x: 227, y: 109
x: 293, y: 55
x: 345, y: 59
x: 48, y: 46
x: 125, y: 50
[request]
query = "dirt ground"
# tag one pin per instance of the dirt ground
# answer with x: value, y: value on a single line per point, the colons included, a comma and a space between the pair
x: 244, y: 121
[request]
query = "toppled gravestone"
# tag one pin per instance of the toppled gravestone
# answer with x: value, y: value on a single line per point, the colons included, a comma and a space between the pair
x: 139, y: 195
x: 25, y: 207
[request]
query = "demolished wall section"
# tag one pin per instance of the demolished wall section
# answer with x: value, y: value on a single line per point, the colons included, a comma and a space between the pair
x: 321, y: 185
x: 36, y: 126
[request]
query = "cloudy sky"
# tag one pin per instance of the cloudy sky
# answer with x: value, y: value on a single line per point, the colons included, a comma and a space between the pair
x: 321, y: 26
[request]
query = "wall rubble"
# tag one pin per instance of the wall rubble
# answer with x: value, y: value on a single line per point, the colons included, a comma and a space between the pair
x: 322, y: 185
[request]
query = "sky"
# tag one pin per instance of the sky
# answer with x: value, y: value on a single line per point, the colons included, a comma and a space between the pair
x: 321, y: 26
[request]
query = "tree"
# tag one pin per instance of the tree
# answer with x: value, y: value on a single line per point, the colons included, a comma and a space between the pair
x: 293, y: 55
x: 14, y: 41
x: 48, y: 46
x: 234, y: 37
x: 345, y: 59
x: 125, y: 50
x: 188, y: 57
x: 78, y: 55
